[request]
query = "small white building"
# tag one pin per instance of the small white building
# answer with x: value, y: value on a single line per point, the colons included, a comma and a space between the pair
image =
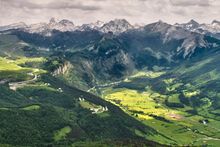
x: 60, y: 90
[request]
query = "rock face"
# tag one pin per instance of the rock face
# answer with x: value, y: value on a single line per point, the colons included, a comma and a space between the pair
x: 191, y: 25
x: 212, y: 29
x: 92, y: 26
x: 13, y: 26
x: 47, y: 28
x: 62, y: 69
x: 116, y: 26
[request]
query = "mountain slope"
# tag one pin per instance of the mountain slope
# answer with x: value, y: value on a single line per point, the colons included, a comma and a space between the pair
x: 46, y: 111
x: 108, y: 55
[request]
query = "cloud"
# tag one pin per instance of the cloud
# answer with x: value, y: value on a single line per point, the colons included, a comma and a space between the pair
x: 69, y: 5
x: 185, y: 3
x: 180, y: 12
x: 86, y: 11
x: 65, y: 4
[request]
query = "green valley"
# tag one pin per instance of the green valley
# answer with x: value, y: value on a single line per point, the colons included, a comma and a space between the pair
x: 117, y: 85
x: 164, y: 111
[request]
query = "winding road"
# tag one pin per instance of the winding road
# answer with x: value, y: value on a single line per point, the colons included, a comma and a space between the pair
x: 15, y: 85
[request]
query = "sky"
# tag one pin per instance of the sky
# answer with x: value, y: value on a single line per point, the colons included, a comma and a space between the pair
x: 86, y: 11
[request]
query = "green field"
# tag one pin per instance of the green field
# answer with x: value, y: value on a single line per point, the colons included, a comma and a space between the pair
x: 61, y: 134
x: 16, y: 69
x: 162, y: 111
x: 32, y: 107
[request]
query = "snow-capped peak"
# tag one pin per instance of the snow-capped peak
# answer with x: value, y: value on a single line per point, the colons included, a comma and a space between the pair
x: 20, y: 25
x: 46, y: 28
x: 116, y: 26
x: 98, y: 24
x: 52, y: 21
x: 158, y: 26
x: 212, y: 29
x: 215, y: 22
x: 192, y: 25
x: 63, y: 25
x: 91, y: 26
x: 66, y: 22
x: 193, y: 22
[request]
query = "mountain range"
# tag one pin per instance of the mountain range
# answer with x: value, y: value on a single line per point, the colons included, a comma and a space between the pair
x: 116, y: 26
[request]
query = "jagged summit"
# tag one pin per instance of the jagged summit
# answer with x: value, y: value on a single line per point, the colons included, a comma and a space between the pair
x: 159, y: 23
x: 98, y: 23
x: 193, y: 26
x: 66, y: 22
x: 52, y: 20
x: 192, y: 21
x: 91, y: 26
x: 116, y: 26
x: 158, y: 26
x: 13, y: 26
x: 215, y: 22
x: 46, y: 28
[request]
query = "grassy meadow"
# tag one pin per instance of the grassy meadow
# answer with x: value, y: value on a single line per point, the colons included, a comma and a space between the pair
x: 165, y: 111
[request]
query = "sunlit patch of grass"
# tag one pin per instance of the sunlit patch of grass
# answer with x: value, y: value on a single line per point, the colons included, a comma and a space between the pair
x: 172, y: 84
x: 40, y: 86
x: 199, y: 65
x: 88, y: 105
x: 62, y: 133
x: 174, y: 98
x: 6, y: 64
x: 23, y: 60
x: 149, y: 74
x: 4, y: 109
x: 96, y: 109
x: 169, y: 81
x: 104, y: 114
x: 13, y: 68
x: 144, y: 117
x: 32, y: 107
x: 189, y: 94
x: 174, y: 87
x: 138, y: 104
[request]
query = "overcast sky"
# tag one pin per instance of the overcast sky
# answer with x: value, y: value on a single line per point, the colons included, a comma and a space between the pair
x: 86, y: 11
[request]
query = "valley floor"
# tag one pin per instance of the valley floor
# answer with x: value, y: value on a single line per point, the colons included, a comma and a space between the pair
x: 175, y: 123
